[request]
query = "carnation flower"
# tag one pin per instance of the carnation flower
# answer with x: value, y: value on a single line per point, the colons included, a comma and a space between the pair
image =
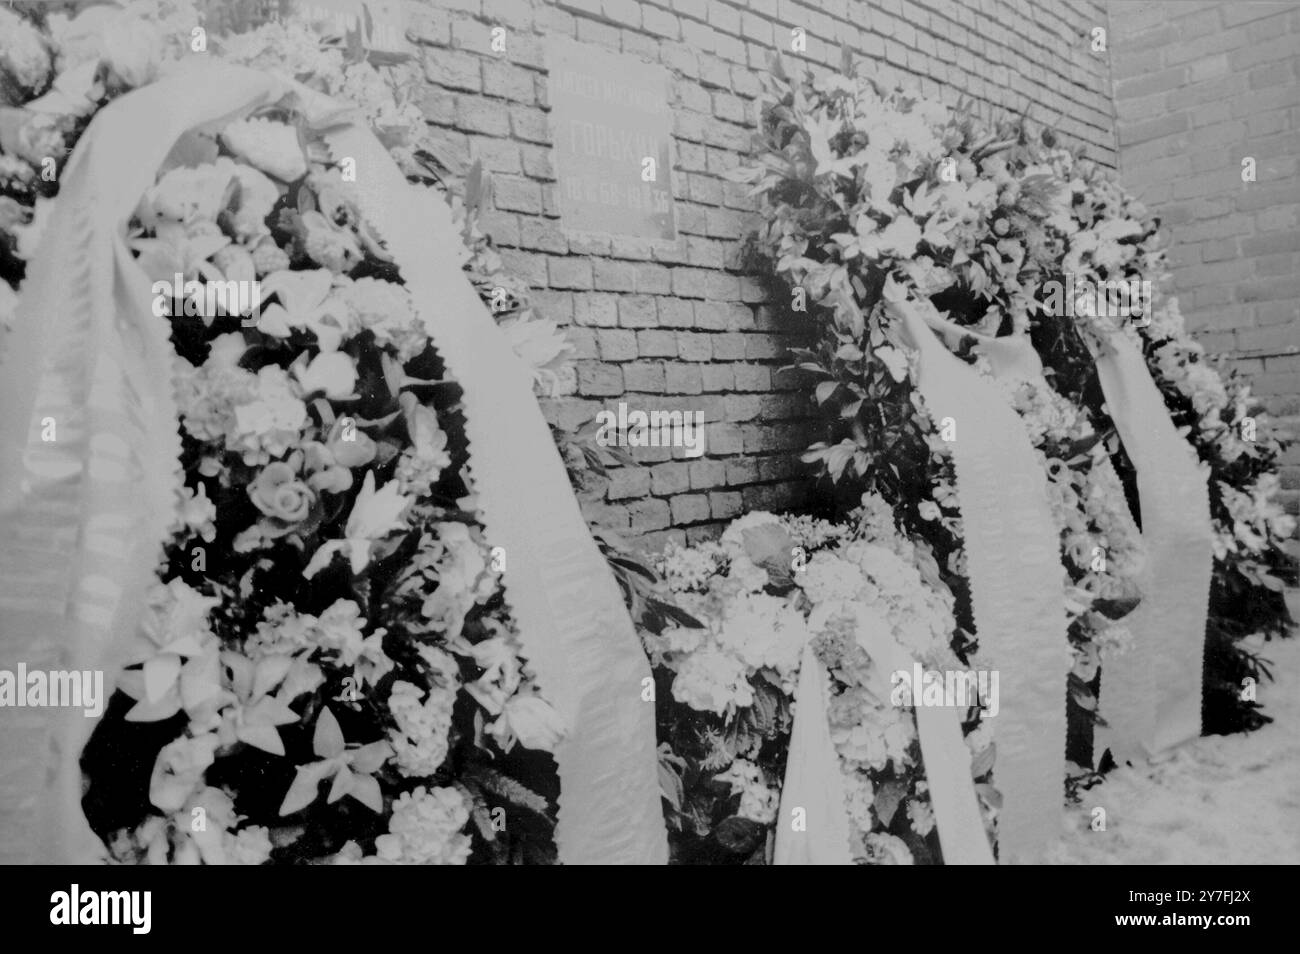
x: 426, y: 829
x: 248, y: 846
x: 272, y: 422
x: 712, y: 681
x: 420, y: 739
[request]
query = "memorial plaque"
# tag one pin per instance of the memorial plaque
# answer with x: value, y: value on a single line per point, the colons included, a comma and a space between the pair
x: 612, y: 131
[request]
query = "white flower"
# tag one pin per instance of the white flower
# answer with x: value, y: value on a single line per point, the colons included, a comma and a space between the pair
x: 757, y: 802
x: 420, y: 740
x: 304, y: 301
x: 712, y: 681
x: 531, y: 721
x: 270, y: 146
x: 426, y: 829
x: 885, y: 849
x: 332, y: 372
x: 272, y: 422
x: 375, y: 515
x: 894, y: 360
x: 248, y: 846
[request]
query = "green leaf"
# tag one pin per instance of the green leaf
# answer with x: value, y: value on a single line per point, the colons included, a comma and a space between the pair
x: 888, y: 797
x: 984, y: 761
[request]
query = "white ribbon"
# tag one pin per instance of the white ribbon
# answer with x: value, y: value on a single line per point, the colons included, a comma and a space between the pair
x: 814, y: 783
x: 1014, y: 565
x: 1151, y: 696
x: 84, y: 519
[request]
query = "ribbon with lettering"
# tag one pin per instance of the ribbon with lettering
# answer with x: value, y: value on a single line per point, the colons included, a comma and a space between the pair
x: 84, y: 517
x: 1151, y: 696
x: 1014, y: 565
x: 813, y: 780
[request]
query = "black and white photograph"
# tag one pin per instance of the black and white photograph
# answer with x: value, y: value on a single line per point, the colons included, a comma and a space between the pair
x: 650, y: 432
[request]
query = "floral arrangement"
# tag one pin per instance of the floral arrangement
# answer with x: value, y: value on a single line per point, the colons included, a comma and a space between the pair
x: 724, y: 682
x: 869, y: 195
x: 327, y: 671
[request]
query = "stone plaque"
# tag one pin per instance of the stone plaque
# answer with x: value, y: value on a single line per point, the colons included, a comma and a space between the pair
x: 612, y: 131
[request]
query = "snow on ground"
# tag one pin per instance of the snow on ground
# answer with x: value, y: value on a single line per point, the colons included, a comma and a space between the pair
x: 1223, y: 799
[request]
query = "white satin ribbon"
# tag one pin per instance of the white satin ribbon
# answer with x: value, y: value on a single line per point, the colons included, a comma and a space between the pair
x: 88, y: 352
x: 1014, y: 565
x: 1151, y: 696
x: 814, y: 783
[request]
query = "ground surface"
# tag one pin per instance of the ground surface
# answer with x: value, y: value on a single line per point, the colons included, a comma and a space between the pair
x: 1220, y: 800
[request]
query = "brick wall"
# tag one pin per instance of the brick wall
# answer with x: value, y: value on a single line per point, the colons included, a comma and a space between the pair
x: 1198, y: 88
x: 683, y: 328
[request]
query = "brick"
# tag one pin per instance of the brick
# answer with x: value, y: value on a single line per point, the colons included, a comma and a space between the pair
x: 529, y: 124
x: 626, y: 482
x: 508, y: 81
x: 712, y: 316
x: 724, y: 505
x: 601, y: 310
x: 525, y: 266
x: 648, y: 515
x: 718, y: 377
x: 692, y: 346
x: 616, y: 345
x: 640, y: 44
x: 596, y: 379
x: 683, y: 379
x: 675, y: 313
x: 690, y: 508
x: 724, y: 18
x: 437, y: 106
x: 555, y: 305
x: 751, y: 377
x: 615, y: 276
x: 741, y: 407
x: 545, y: 235
x: 705, y: 474
x: 645, y: 376
x: 631, y: 246
x: 583, y: 341
x: 637, y: 311
x: 743, y: 470
x: 425, y: 24
x: 623, y: 12
x: 672, y: 478
x: 729, y: 347
x: 656, y: 344
x: 503, y: 227
x: 690, y: 282
x: 659, y: 22
x: 453, y: 69
x: 653, y: 279
x: 482, y: 116
x: 570, y: 272
x: 581, y: 243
